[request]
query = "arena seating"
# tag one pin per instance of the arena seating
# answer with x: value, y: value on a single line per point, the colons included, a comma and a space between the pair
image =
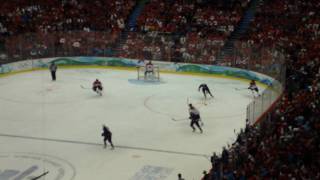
x: 61, y: 25
x: 284, y: 146
x: 189, y: 31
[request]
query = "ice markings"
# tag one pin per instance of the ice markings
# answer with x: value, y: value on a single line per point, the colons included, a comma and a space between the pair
x: 149, y: 172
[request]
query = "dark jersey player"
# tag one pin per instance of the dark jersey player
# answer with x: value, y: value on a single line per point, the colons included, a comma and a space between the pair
x: 107, y: 136
x: 205, y: 89
x: 194, y: 117
x: 97, y: 87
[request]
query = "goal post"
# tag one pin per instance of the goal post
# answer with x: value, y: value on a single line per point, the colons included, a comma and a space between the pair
x: 155, y: 76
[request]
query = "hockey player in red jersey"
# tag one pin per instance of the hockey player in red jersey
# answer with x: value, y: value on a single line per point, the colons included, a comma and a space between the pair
x: 97, y: 87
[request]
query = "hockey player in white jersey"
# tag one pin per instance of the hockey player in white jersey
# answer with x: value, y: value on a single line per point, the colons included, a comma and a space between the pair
x: 194, y: 117
x: 253, y: 87
x: 149, y: 69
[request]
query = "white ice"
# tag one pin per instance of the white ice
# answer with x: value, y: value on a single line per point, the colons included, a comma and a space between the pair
x: 61, y: 119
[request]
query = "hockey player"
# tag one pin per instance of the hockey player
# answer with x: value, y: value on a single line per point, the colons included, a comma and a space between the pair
x: 253, y: 87
x: 53, y: 68
x: 97, y: 87
x: 106, y: 133
x: 205, y: 90
x: 194, y: 117
x: 180, y: 177
x: 148, y: 69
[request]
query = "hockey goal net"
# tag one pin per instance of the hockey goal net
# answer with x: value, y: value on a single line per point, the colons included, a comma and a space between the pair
x: 142, y: 75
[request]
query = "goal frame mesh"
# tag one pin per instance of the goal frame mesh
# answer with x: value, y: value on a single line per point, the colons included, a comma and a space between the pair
x: 150, y: 77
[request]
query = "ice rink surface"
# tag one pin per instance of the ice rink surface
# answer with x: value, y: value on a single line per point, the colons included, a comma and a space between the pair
x: 52, y: 130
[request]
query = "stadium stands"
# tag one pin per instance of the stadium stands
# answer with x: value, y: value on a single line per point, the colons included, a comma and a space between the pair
x: 284, y: 146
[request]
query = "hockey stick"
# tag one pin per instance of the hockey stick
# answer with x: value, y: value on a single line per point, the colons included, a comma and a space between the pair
x: 38, y: 177
x: 179, y: 119
x: 84, y: 87
x: 182, y: 119
x: 238, y: 89
x: 204, y: 102
x: 99, y: 92
x: 201, y: 122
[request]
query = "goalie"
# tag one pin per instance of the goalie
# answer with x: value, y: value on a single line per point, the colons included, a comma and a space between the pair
x: 149, y: 69
x: 97, y: 87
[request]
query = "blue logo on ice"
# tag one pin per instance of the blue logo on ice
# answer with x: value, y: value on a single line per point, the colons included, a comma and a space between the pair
x: 20, y: 166
x: 152, y: 172
x: 9, y: 173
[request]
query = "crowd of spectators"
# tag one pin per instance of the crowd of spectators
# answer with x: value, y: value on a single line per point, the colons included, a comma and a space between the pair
x: 183, y: 30
x: 75, y: 15
x: 281, y: 26
x: 28, y: 27
x: 283, y: 146
x: 37, y: 45
x: 183, y: 16
x: 286, y: 144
